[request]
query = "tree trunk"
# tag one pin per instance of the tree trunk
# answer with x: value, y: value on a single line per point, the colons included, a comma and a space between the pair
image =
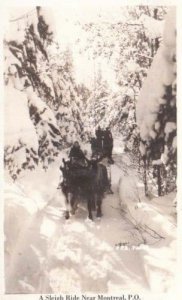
x: 159, y: 181
x: 156, y: 43
x: 145, y: 176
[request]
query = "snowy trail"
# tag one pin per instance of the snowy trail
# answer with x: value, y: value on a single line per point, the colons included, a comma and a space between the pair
x: 53, y: 255
x: 85, y: 254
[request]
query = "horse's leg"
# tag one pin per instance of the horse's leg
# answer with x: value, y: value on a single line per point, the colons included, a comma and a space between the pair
x: 77, y: 199
x: 99, y: 202
x: 94, y: 202
x: 89, y: 203
x: 67, y: 204
x: 72, y: 203
x: 75, y: 205
x: 67, y: 215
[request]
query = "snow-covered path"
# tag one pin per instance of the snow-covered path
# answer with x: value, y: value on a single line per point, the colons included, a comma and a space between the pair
x: 53, y: 255
x: 85, y: 255
x: 48, y: 254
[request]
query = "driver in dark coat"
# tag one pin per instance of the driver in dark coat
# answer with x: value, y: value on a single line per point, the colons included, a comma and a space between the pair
x: 77, y: 156
x: 108, y: 144
x: 99, y: 138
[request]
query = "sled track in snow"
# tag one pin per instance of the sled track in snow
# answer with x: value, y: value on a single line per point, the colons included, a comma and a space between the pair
x: 75, y: 255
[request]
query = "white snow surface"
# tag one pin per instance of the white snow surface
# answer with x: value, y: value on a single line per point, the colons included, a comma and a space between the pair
x: 48, y: 115
x: 18, y: 125
x: 44, y: 253
x: 153, y: 28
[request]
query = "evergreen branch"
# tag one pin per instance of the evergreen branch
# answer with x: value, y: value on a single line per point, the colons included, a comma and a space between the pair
x: 23, y: 16
x: 134, y: 24
x: 145, y: 56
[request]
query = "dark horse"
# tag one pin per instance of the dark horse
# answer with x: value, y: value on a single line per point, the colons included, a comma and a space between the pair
x: 88, y: 183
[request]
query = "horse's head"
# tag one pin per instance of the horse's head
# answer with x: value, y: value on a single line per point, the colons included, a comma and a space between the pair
x: 65, y: 169
x: 93, y: 163
x: 92, y: 140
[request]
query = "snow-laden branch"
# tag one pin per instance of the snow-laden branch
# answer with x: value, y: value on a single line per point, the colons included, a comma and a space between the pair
x: 144, y: 56
x: 160, y: 74
x: 26, y: 15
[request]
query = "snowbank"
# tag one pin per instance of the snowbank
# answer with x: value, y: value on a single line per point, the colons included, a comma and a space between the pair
x: 18, y: 211
x: 154, y: 224
x: 142, y: 211
x: 27, y: 227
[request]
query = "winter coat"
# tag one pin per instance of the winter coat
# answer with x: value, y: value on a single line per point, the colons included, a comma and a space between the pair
x: 99, y: 134
x: 76, y: 153
x: 108, y: 139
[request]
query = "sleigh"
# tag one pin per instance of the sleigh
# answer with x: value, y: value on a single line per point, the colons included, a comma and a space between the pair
x: 90, y: 182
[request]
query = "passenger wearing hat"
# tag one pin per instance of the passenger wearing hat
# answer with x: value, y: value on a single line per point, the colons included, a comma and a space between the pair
x: 77, y: 156
x: 108, y: 144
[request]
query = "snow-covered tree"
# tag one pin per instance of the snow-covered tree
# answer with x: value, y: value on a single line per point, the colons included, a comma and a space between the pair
x: 69, y: 112
x: 21, y: 142
x: 46, y: 73
x: 98, y: 102
x: 128, y: 48
x: 156, y: 110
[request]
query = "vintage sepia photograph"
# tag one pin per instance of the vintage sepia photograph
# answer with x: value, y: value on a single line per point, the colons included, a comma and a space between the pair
x: 90, y: 150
